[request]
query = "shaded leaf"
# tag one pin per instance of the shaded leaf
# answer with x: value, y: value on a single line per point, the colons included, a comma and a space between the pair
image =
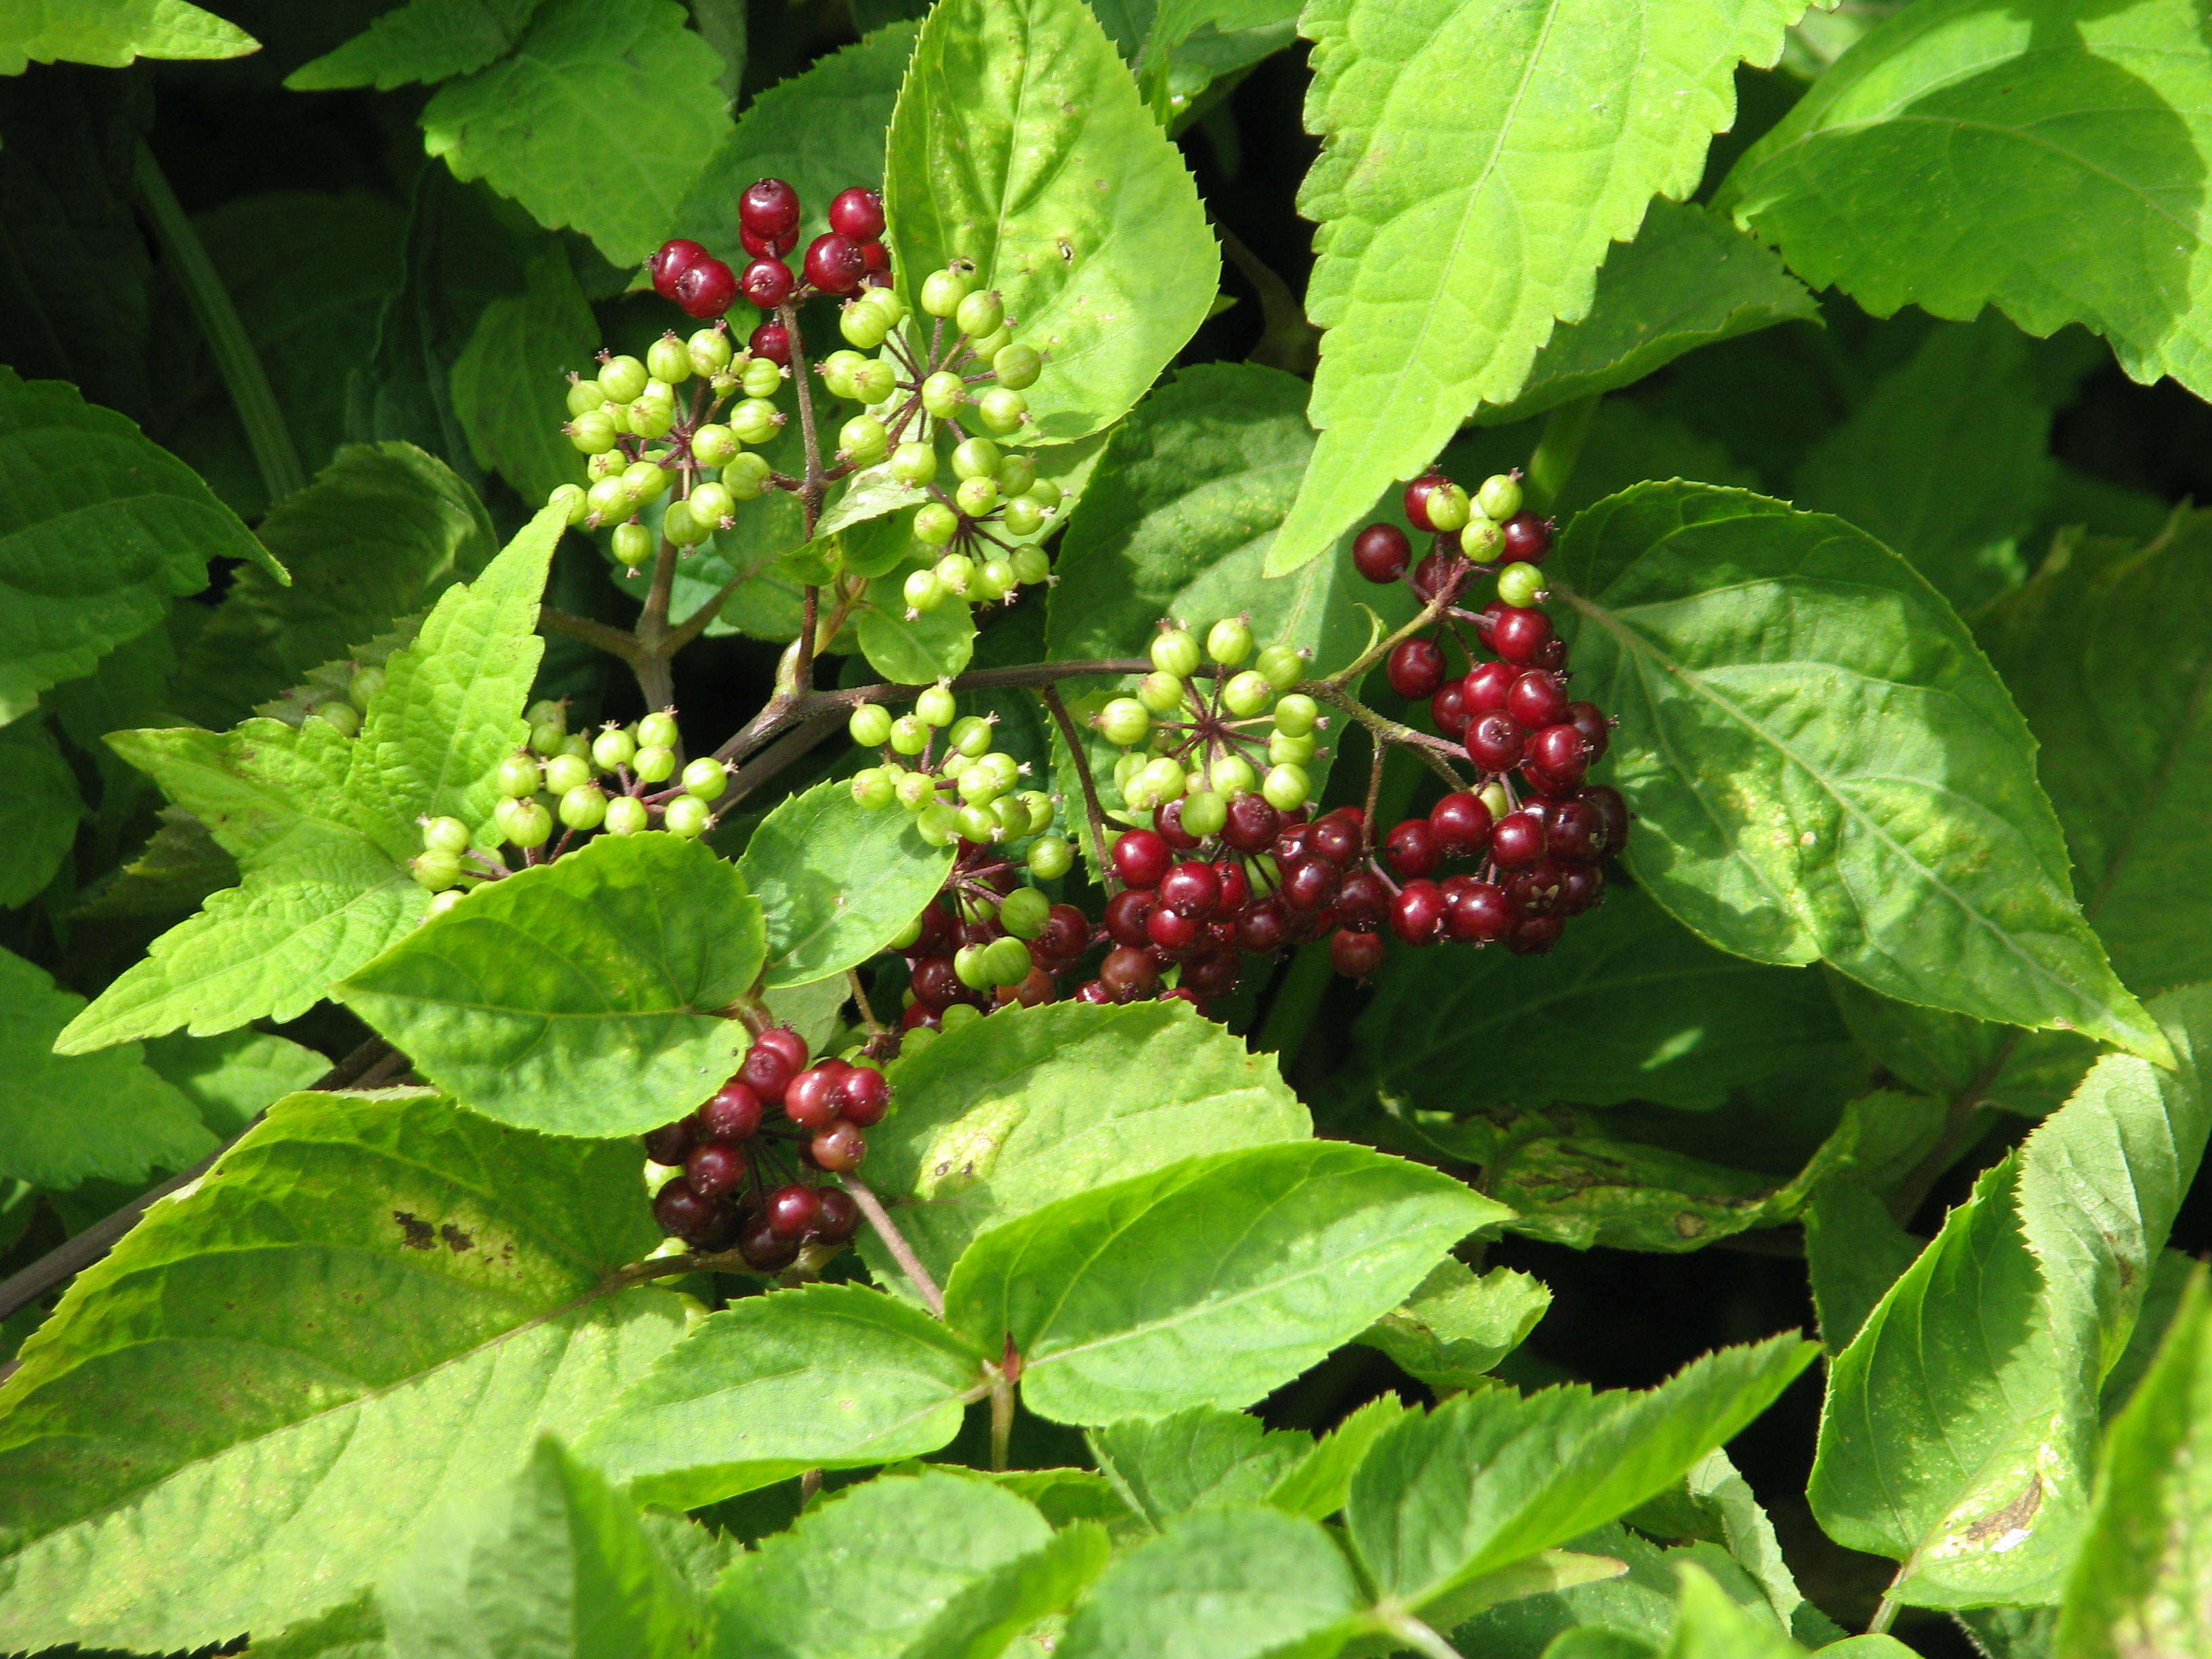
x: 836, y: 882
x: 1854, y: 1252
x: 419, y: 40
x: 40, y: 813
x: 1458, y: 1324
x: 1315, y: 1485
x: 233, y: 1078
x: 111, y: 33
x: 507, y: 387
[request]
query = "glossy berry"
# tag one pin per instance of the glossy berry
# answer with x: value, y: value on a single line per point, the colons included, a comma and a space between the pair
x: 769, y: 209
x: 765, y: 1250
x: 1416, y: 668
x: 1495, y: 742
x: 1518, y: 838
x: 1312, y: 885
x: 1520, y: 636
x: 1253, y: 825
x: 673, y: 259
x: 767, y: 282
x: 1127, y: 915
x: 811, y: 1100
x: 767, y: 1072
x: 1448, y: 708
x: 857, y: 215
x: 1589, y: 719
x: 1488, y: 686
x: 1536, y: 699
x: 1380, y: 552
x: 1611, y: 808
x: 1560, y: 753
x: 682, y: 1214
x: 1417, y: 915
x: 771, y: 341
x: 1355, y: 954
x: 1527, y: 537
x: 1574, y: 831
x: 1480, y: 913
x: 1172, y: 930
x: 1412, y: 847
x: 1141, y: 858
x: 1167, y: 823
x: 1264, y: 927
x: 1461, y: 823
x: 791, y: 1211
x: 1067, y: 934
x: 1417, y: 497
x: 786, y: 1041
x: 863, y: 1096
x: 733, y: 1112
x: 839, y: 1216
x: 706, y: 289
x: 1534, y: 935
x: 838, y: 1148
x: 715, y: 1169
x: 1192, y: 888
x: 1363, y: 899
x: 1582, y: 886
x: 670, y: 1141
x: 1534, y: 890
x: 1127, y: 973
x: 834, y: 265
x: 1439, y: 571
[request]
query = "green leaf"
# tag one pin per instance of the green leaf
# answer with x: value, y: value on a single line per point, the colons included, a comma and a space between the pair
x: 419, y: 40
x: 1971, y: 152
x: 68, y: 1119
x: 376, y: 536
x: 1631, y: 1005
x: 553, y: 1563
x: 1317, y: 1486
x: 1492, y: 1477
x: 39, y: 815
x: 111, y: 33
x: 578, y: 997
x: 744, y: 1400
x: 354, y: 1630
x: 1203, y: 1457
x: 1457, y: 1324
x: 1947, y: 461
x: 1729, y: 1514
x: 823, y: 130
x: 1854, y: 1252
x: 1208, y: 1282
x: 1477, y: 157
x: 1960, y: 1424
x: 507, y: 386
x: 1823, y: 763
x: 2106, y: 652
x: 1689, y: 279
x: 1232, y: 1583
x: 233, y: 1078
x: 373, y: 1302
x: 867, y: 1572
x: 1020, y: 143
x: 913, y: 650
x: 836, y: 882
x: 996, y: 1610
x: 1636, y: 1606
x: 599, y: 120
x: 1713, y: 1626
x: 997, y: 1120
x: 99, y: 531
x: 2138, y: 1586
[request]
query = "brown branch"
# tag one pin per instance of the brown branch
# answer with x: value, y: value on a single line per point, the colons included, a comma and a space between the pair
x: 895, y: 1241
x: 616, y: 642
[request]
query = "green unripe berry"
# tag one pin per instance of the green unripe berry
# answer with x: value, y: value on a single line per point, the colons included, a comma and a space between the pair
x: 446, y: 836
x: 1003, y: 767
x: 970, y: 735
x: 864, y: 326
x: 995, y: 579
x: 956, y: 571
x: 978, y: 825
x: 612, y: 748
x: 607, y: 464
x: 609, y: 499
x: 942, y: 291
x: 754, y: 420
x: 579, y: 746
x: 1232, y: 775
x: 548, y: 740
x: 1124, y: 722
x: 937, y: 706
x: 977, y: 457
x: 1295, y: 715
x: 519, y: 776
x: 651, y: 419
x: 1286, y: 751
x: 548, y: 710
x: 935, y: 524
x: 712, y: 503
x: 1127, y: 767
x: 644, y: 481
x: 1022, y: 516
x: 1016, y: 473
x: 669, y: 359
x: 762, y: 378
x: 923, y: 591
x: 915, y: 462
x: 571, y: 500
x: 886, y: 299
x: 1286, y: 788
x: 626, y: 816
x: 988, y: 346
x: 959, y: 1015
x: 1205, y: 812
x: 836, y: 371
x: 1001, y: 411
x: 1008, y: 959
x: 909, y: 734
x: 942, y: 394
x: 1493, y: 796
x: 980, y: 315
x: 874, y: 380
x: 1050, y: 857
x: 1282, y: 665
x: 1229, y: 642
x: 1018, y: 366
x: 364, y: 685
x: 687, y: 816
x: 863, y: 440
x: 709, y: 350
x: 1041, y: 810
x: 870, y: 726
x: 971, y: 966
x: 1247, y: 694
x: 746, y: 477
x: 525, y: 823
x: 592, y: 432
x: 1175, y: 651
x: 658, y: 390
x: 683, y: 527
x: 1482, y: 541
x: 622, y: 379
x: 976, y: 496
x: 1046, y: 495
x: 1448, y: 507
x: 874, y: 789
x: 713, y: 445
x: 1031, y: 563
x: 1160, y: 693
x: 1162, y: 779
x: 436, y: 870
x: 1023, y: 913
x: 585, y: 396
x: 565, y: 772
x: 705, y: 777
x: 653, y: 765
x: 584, y: 806
x: 916, y: 791
x: 1521, y: 584
x: 1499, y: 498
x: 978, y: 787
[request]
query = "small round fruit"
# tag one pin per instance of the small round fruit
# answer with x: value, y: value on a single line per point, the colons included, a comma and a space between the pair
x: 1495, y: 742
x: 682, y: 1214
x: 1286, y: 788
x: 769, y: 209
x: 653, y: 764
x: 977, y: 498
x: 1050, y: 857
x: 712, y: 503
x: 1380, y: 552
x: 1229, y: 642
x: 767, y: 282
x: 1124, y: 722
x: 592, y: 433
x: 770, y: 342
x: 870, y: 726
x: 839, y: 1148
x: 1002, y: 410
x: 687, y: 816
x: 673, y: 259
x: 1282, y: 665
x: 935, y: 524
x: 1520, y: 585
x: 835, y: 265
x: 1461, y: 823
x: 1526, y: 537
x: 519, y: 776
x: 708, y: 289
x: 915, y: 462
x: 922, y: 592
x: 942, y: 291
x: 942, y: 394
x: 745, y: 478
x: 1518, y: 838
x: 863, y: 440
x: 622, y: 379
x: 435, y: 871
x: 713, y: 445
x: 584, y: 807
x: 857, y: 214
x: 626, y: 816
x: 1416, y: 668
x: 709, y: 350
x: 446, y: 836
x: 1247, y: 694
x: 1016, y: 367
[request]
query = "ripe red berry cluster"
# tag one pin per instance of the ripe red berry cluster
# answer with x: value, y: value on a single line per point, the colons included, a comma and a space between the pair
x: 743, y: 1180
x: 987, y: 940
x: 844, y: 258
x: 1537, y: 829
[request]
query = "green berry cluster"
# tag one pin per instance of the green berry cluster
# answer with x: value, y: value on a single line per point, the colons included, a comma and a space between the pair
x: 617, y: 780
x: 644, y: 435
x: 1206, y: 742
x: 940, y: 765
x: 345, y: 712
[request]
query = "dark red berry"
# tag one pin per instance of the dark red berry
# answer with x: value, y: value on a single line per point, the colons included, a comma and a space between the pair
x: 673, y: 259
x: 1520, y: 634
x: 1535, y: 890
x: 706, y: 289
x: 920, y: 1015
x: 767, y: 282
x: 1462, y: 822
x: 790, y: 1211
x: 1335, y: 840
x: 1448, y: 708
x: 1167, y: 822
x: 1534, y: 935
x: 936, y: 986
x: 1416, y: 668
x: 1171, y: 929
x: 1440, y: 571
x: 1362, y: 900
x: 1518, y: 838
x: 834, y: 265
x: 1581, y: 887
x: 1614, y: 809
x: 1193, y: 888
x: 1589, y: 719
x: 1560, y: 752
x: 771, y: 341
x: 862, y: 1095
x: 715, y: 1169
x: 681, y: 1212
x: 1480, y: 914
x: 857, y: 214
x: 670, y: 1141
x: 1126, y: 913
x: 1252, y: 823
x: 768, y: 1072
x: 1263, y: 928
x: 1380, y: 552
x: 878, y: 258
x: 1527, y: 537
x: 1536, y: 698
x: 765, y: 1250
x: 782, y: 1040
x: 1416, y: 498
x: 1033, y: 990
x: 1311, y: 886
x: 1141, y: 857
x: 769, y: 208
x: 733, y: 1112
x: 840, y: 1217
x: 1417, y: 915
x: 768, y: 247
x: 811, y: 1100
x: 1128, y: 974
x: 1355, y: 954
x: 1495, y: 742
x: 1067, y: 934
x: 838, y: 1148
x: 1574, y: 831
x: 1093, y: 991
x: 1487, y: 687
x: 1412, y: 847
x: 1236, y: 886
